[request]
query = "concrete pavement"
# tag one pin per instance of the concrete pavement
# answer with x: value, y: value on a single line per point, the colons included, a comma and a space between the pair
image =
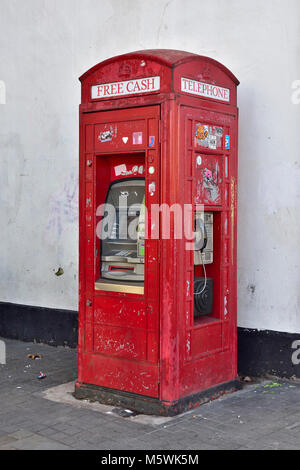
x: 42, y: 413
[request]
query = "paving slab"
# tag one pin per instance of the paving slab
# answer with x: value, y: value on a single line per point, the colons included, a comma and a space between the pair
x: 43, y: 414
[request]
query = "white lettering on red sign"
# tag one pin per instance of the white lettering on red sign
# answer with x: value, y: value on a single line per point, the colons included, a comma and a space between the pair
x: 129, y: 87
x: 205, y: 89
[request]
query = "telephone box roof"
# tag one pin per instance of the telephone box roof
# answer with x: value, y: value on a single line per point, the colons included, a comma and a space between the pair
x: 169, y: 57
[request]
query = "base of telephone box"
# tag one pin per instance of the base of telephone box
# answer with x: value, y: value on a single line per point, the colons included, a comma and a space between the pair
x: 152, y: 406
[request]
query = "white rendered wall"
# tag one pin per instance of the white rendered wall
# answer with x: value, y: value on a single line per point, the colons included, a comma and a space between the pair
x: 45, y: 45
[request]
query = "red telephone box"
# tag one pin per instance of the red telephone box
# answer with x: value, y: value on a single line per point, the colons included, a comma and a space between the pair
x: 158, y: 198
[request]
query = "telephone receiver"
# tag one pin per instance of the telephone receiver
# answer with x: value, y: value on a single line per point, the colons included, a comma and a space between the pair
x: 201, y: 235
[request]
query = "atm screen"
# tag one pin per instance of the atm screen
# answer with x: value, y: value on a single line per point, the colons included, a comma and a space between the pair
x: 123, y: 228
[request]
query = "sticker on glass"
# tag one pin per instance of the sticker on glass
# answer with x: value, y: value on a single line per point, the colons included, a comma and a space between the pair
x: 108, y: 134
x: 227, y: 142
x: 105, y: 136
x: 219, y: 131
x: 151, y: 141
x: 201, y: 133
x: 212, y: 142
x: 199, y: 160
x: 137, y: 138
x: 210, y: 184
x: 120, y: 169
x: 208, y: 136
x: 152, y: 188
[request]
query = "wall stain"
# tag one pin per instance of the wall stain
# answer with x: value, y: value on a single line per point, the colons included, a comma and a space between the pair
x: 252, y: 288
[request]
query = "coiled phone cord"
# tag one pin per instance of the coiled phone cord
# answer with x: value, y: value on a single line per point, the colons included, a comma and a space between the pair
x: 205, y: 278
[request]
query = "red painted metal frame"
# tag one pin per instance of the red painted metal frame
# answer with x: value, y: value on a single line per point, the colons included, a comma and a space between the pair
x: 189, y: 357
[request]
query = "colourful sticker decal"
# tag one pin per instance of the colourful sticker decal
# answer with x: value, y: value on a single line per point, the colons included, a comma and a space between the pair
x: 212, y: 141
x: 208, y: 174
x: 227, y: 142
x: 120, y: 169
x: 201, y: 132
x: 208, y: 136
x: 137, y: 138
x: 151, y: 141
x: 123, y: 171
x: 211, y: 184
x: 107, y: 135
x: 152, y: 188
x: 142, y: 249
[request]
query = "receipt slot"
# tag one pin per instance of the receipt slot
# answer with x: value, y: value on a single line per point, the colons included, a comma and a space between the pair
x: 157, y: 233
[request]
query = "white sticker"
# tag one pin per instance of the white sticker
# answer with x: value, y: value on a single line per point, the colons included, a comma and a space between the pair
x: 199, y: 160
x: 152, y: 188
x: 120, y: 169
x: 219, y: 131
x: 212, y: 141
x: 125, y: 140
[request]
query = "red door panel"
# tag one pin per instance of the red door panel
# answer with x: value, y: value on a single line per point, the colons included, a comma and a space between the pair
x: 121, y: 330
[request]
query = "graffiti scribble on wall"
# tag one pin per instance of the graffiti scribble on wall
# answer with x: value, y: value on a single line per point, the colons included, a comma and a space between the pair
x: 63, y: 209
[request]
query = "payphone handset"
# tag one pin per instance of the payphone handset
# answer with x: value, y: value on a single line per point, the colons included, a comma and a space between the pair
x: 123, y: 237
x: 203, y: 244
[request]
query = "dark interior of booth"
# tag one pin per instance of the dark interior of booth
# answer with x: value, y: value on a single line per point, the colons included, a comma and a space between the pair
x: 211, y: 296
